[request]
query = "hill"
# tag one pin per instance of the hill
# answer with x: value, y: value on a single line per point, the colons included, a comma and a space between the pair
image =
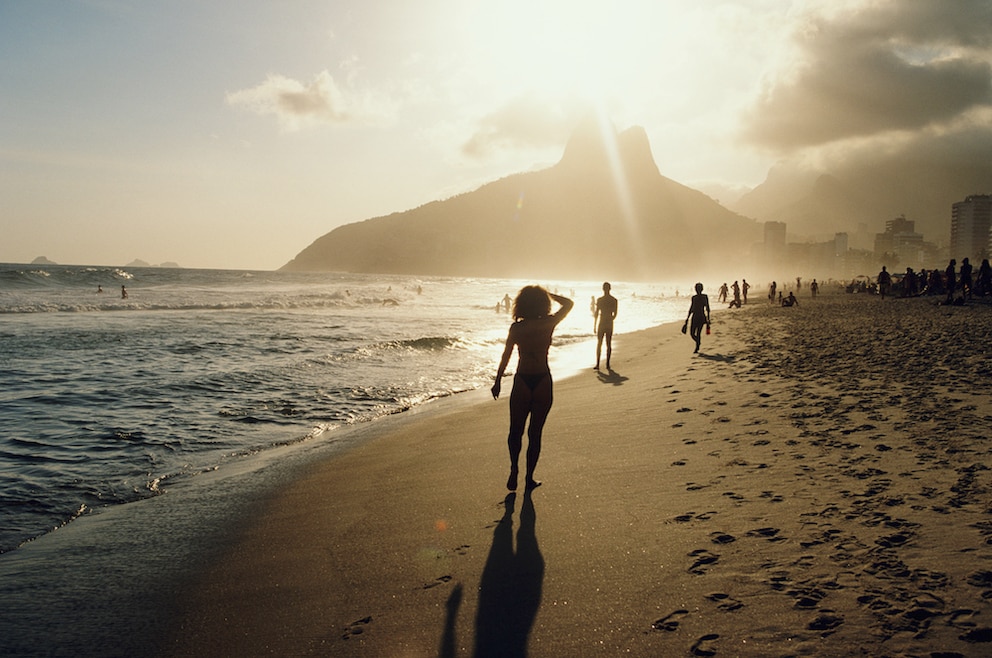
x: 871, y: 189
x: 603, y: 211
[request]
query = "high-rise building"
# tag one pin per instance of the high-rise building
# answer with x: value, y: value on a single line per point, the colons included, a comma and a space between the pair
x: 901, y: 240
x: 971, y: 224
x: 774, y: 242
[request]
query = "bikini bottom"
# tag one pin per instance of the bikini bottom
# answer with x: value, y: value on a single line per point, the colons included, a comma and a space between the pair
x: 532, y: 380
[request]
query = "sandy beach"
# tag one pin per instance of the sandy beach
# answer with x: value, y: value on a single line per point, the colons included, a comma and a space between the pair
x: 814, y: 483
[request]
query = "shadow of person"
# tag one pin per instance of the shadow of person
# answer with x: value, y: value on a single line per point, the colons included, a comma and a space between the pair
x: 611, y: 376
x: 448, y: 638
x: 725, y: 358
x: 510, y: 589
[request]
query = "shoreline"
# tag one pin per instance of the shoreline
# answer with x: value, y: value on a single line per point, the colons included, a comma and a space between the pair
x: 769, y: 496
x: 774, y: 498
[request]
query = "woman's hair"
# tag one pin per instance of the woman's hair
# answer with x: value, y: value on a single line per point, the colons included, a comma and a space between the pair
x: 531, y: 302
x: 699, y: 287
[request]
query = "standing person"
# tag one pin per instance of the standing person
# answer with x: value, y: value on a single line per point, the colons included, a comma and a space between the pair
x: 699, y: 314
x: 949, y: 280
x: 723, y: 293
x: 814, y: 288
x: 984, y: 278
x: 532, y: 393
x: 737, y: 296
x: 966, y: 282
x: 771, y: 292
x: 123, y: 292
x: 745, y: 286
x: 606, y: 311
x: 884, y: 281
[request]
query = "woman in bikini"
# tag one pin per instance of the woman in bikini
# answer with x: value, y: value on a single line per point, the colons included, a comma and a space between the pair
x: 530, y: 333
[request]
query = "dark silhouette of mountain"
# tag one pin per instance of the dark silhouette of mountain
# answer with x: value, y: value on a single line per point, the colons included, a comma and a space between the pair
x: 603, y: 211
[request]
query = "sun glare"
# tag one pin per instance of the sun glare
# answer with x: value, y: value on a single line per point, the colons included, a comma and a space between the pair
x: 559, y: 47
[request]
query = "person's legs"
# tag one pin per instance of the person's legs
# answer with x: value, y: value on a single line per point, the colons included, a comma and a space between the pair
x: 520, y: 403
x: 599, y: 349
x: 696, y: 332
x: 609, y: 349
x: 540, y: 407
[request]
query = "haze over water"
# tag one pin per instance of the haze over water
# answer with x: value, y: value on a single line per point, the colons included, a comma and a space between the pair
x: 109, y: 400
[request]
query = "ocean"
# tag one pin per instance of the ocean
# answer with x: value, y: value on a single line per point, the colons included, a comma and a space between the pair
x: 106, y: 400
x: 129, y: 426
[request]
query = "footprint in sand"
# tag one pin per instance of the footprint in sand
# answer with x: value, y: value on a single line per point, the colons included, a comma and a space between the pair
x: 826, y: 622
x: 699, y: 647
x: 978, y: 635
x: 703, y: 558
x: 437, y: 581
x: 722, y: 538
x: 725, y: 602
x: 356, y: 628
x: 669, y: 623
x: 771, y: 534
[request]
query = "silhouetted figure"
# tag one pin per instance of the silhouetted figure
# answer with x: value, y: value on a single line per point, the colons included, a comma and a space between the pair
x: 737, y: 296
x: 884, y: 280
x: 984, y: 286
x: 745, y: 286
x: 533, y: 325
x: 799, y: 283
x: 814, y: 289
x: 606, y: 312
x: 909, y: 283
x: 790, y: 300
x: 123, y: 292
x: 699, y: 315
x: 722, y: 297
x: 771, y: 292
x: 99, y: 290
x: 966, y: 282
x: 511, y: 585
x: 506, y: 303
x: 949, y: 280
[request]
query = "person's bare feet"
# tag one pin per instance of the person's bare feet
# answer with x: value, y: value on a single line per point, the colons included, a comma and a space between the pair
x: 511, y: 482
x: 532, y: 484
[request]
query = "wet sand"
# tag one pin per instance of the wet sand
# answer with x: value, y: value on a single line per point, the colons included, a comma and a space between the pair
x: 815, y: 482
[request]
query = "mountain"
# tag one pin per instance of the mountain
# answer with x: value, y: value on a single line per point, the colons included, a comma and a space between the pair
x: 603, y: 211
x: 870, y: 191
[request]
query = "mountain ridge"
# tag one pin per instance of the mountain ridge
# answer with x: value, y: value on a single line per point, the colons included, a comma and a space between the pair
x: 603, y: 211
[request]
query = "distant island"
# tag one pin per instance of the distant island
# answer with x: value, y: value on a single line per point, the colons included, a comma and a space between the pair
x: 603, y: 211
x: 41, y: 260
x: 137, y: 262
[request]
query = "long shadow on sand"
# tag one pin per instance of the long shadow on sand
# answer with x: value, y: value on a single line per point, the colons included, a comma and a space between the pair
x: 611, y: 377
x: 510, y: 590
x: 724, y: 358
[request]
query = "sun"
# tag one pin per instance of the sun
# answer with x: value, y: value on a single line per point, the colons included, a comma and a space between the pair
x: 589, y: 50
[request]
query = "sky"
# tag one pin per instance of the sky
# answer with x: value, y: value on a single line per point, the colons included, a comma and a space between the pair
x: 231, y: 134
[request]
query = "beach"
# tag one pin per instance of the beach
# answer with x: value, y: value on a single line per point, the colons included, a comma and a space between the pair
x: 815, y: 482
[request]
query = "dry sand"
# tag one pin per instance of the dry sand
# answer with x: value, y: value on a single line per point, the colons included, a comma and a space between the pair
x: 815, y: 483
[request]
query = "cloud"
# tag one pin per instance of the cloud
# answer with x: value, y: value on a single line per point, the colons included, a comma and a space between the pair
x: 893, y: 66
x: 525, y: 122
x: 294, y: 103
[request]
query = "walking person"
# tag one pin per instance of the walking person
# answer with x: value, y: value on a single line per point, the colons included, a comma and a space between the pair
x: 699, y: 315
x: 532, y: 392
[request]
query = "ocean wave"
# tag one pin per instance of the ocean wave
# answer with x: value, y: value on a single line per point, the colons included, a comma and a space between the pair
x: 429, y: 343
